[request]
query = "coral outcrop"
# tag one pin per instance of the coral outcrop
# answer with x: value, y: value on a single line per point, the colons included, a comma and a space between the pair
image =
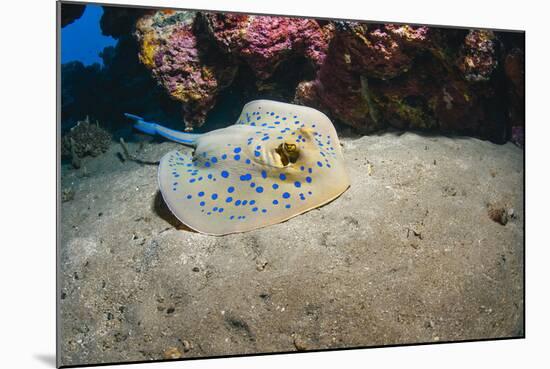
x: 265, y: 41
x: 120, y: 21
x: 70, y: 13
x: 195, y: 55
x: 192, y: 73
x: 357, y: 53
x: 84, y: 139
x: 411, y: 78
x: 364, y: 75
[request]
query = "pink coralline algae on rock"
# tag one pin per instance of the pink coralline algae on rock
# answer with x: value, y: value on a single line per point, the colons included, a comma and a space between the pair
x: 193, y: 66
x: 478, y: 59
x: 357, y: 53
x: 382, y: 51
x: 171, y: 50
x: 367, y: 76
x: 265, y: 41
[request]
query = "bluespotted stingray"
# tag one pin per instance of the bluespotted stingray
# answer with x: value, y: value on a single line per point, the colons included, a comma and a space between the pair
x: 278, y: 161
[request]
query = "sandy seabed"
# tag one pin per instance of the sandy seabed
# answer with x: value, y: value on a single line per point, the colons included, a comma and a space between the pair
x: 407, y: 254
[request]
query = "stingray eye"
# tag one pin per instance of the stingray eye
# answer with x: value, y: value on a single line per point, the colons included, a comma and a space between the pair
x: 289, y: 147
x: 289, y: 153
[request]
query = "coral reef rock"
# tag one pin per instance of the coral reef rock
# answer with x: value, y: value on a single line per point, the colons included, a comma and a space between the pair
x: 358, y: 54
x: 174, y: 64
x: 190, y: 71
x: 70, y: 13
x: 121, y: 85
x: 265, y: 41
x: 478, y: 60
x: 411, y: 77
x: 118, y: 21
x: 367, y: 76
x: 84, y: 139
x: 194, y: 55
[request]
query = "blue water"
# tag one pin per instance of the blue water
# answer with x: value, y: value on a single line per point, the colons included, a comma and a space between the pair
x: 82, y: 40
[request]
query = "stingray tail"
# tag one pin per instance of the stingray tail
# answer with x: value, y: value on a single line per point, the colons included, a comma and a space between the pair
x: 156, y: 129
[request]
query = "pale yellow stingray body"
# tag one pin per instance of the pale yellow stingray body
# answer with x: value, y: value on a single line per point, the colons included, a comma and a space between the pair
x: 280, y: 160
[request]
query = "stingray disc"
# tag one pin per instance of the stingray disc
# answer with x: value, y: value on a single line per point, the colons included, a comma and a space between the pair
x: 278, y: 161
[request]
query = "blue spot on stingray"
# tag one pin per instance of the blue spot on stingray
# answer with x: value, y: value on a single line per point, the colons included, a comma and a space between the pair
x: 254, y: 209
x: 201, y: 194
x: 215, y: 208
x: 272, y: 113
x: 297, y: 184
x: 214, y: 159
x: 220, y: 210
x: 237, y: 150
x: 232, y: 217
x: 319, y: 164
x: 229, y: 199
x: 248, y: 161
x: 264, y: 174
x: 207, y: 164
x: 244, y: 202
x: 192, y: 180
x: 256, y: 153
x: 214, y: 196
x: 259, y: 189
x: 237, y: 157
x: 308, y: 179
x: 230, y: 189
x: 199, y: 179
x: 287, y: 206
x: 275, y: 202
x: 189, y: 197
x: 264, y: 211
x: 225, y: 173
x: 302, y: 168
x: 209, y: 213
x: 210, y: 176
x: 252, y: 184
x: 202, y: 203
x: 310, y: 170
x: 286, y: 195
x: 252, y: 202
x: 224, y: 156
x: 246, y: 177
x: 265, y: 138
x: 282, y: 176
x: 238, y: 202
x: 275, y: 186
